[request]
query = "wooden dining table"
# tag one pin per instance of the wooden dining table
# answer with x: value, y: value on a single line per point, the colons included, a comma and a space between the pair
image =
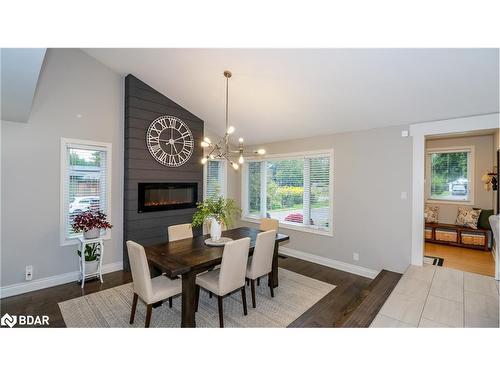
x: 191, y: 256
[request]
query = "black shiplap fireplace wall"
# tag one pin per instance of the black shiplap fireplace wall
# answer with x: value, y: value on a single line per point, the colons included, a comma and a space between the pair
x: 143, y: 104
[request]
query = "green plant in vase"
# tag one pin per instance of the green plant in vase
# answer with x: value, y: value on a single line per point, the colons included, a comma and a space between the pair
x: 219, y: 211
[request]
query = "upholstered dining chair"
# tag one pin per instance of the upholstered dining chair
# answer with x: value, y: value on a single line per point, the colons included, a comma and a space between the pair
x: 179, y: 232
x: 148, y: 290
x: 269, y: 224
x: 229, y: 277
x: 261, y: 263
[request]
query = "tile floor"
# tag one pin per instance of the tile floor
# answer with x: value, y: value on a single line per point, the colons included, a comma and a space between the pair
x: 432, y: 296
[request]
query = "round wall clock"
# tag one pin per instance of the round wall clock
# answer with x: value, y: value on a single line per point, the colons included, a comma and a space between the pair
x: 170, y: 141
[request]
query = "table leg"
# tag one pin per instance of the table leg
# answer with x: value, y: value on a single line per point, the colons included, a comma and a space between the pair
x: 274, y: 279
x: 188, y: 300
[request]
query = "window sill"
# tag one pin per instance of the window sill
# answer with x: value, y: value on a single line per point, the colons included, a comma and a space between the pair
x: 298, y: 228
x: 449, y: 201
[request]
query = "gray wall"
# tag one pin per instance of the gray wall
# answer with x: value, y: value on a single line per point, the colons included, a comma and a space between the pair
x: 70, y: 83
x: 483, y: 146
x: 143, y: 104
x: 371, y: 169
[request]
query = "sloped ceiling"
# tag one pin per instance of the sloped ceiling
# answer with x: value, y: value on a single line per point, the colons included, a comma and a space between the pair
x: 280, y: 94
x: 20, y: 69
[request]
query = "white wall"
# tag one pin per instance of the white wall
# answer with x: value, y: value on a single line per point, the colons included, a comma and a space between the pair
x: 483, y: 161
x: 71, y: 83
x: 371, y: 170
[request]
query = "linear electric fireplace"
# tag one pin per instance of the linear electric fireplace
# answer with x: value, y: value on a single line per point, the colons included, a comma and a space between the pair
x: 164, y: 196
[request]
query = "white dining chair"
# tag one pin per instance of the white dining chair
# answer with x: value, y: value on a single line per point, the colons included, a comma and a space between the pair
x: 229, y: 277
x: 148, y: 290
x: 269, y: 224
x: 495, y: 228
x: 179, y: 232
x: 261, y: 263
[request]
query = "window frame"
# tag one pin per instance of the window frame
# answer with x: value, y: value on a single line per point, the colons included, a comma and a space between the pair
x: 63, y: 214
x: 294, y: 155
x: 224, y: 177
x: 470, y: 174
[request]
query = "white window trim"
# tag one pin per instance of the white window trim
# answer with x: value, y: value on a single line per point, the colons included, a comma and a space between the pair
x: 293, y: 155
x: 470, y: 167
x: 81, y: 143
x: 224, y: 178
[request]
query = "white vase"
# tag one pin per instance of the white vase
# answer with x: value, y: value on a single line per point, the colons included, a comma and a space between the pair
x: 215, y: 230
x: 91, y: 233
x: 91, y: 267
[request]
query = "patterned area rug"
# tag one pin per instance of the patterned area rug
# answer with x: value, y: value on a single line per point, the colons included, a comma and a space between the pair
x: 111, y: 308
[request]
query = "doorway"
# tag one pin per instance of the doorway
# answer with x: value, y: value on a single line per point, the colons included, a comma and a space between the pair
x: 449, y: 193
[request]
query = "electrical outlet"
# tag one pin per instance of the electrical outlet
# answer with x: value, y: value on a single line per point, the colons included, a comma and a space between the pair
x: 355, y: 256
x: 404, y: 133
x: 29, y: 273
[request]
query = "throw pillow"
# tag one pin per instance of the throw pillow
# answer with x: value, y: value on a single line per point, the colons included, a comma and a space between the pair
x: 468, y: 217
x: 484, y: 222
x: 431, y: 214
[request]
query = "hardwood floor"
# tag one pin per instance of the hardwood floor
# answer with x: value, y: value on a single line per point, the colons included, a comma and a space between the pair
x: 331, y: 311
x: 469, y: 260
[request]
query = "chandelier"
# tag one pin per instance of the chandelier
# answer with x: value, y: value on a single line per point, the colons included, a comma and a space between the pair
x: 222, y: 148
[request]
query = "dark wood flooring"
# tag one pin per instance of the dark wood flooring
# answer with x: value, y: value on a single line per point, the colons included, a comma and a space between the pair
x: 353, y: 303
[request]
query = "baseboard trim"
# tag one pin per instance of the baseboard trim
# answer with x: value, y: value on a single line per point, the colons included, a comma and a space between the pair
x: 347, y: 267
x: 47, y: 282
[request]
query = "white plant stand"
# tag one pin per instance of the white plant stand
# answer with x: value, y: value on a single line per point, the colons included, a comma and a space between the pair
x: 83, y: 274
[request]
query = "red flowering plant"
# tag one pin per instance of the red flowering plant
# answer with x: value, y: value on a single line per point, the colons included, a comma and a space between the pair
x: 89, y: 220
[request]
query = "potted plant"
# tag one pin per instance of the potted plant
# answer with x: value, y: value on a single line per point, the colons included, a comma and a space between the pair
x: 90, y: 223
x: 218, y: 211
x: 92, y: 254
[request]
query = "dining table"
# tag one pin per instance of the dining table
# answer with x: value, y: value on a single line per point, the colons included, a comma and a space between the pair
x: 188, y: 257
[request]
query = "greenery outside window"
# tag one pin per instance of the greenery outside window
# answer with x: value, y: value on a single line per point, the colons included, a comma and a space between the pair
x: 450, y: 175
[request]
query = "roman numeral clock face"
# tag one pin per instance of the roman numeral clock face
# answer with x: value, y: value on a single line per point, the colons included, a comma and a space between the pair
x: 170, y: 141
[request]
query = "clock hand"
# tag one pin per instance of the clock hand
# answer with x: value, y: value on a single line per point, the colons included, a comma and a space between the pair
x: 175, y: 148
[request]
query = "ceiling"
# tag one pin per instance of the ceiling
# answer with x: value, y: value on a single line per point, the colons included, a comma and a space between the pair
x: 20, y: 69
x: 281, y: 94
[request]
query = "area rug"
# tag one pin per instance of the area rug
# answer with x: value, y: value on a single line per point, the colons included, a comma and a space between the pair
x: 435, y: 261
x: 111, y: 308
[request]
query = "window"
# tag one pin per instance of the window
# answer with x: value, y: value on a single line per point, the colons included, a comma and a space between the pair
x: 85, y: 182
x: 296, y: 190
x: 215, y: 178
x: 449, y: 174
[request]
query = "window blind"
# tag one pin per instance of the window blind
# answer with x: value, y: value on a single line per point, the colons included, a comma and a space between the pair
x: 296, y: 191
x: 85, y: 183
x: 449, y: 175
x: 215, y: 178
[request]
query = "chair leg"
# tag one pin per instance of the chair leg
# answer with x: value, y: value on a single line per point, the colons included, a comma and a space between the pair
x: 221, y: 312
x: 271, y: 284
x: 170, y: 302
x: 210, y: 294
x: 252, y: 285
x: 258, y: 281
x: 148, y: 315
x: 244, y: 299
x: 248, y: 281
x: 197, y: 298
x: 134, y: 306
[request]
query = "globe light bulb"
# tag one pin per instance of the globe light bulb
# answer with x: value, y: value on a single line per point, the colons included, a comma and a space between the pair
x: 207, y: 140
x: 204, y: 161
x: 230, y: 130
x: 240, y: 140
x: 212, y: 156
x: 241, y: 160
x: 204, y: 144
x: 235, y: 166
x: 261, y: 151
